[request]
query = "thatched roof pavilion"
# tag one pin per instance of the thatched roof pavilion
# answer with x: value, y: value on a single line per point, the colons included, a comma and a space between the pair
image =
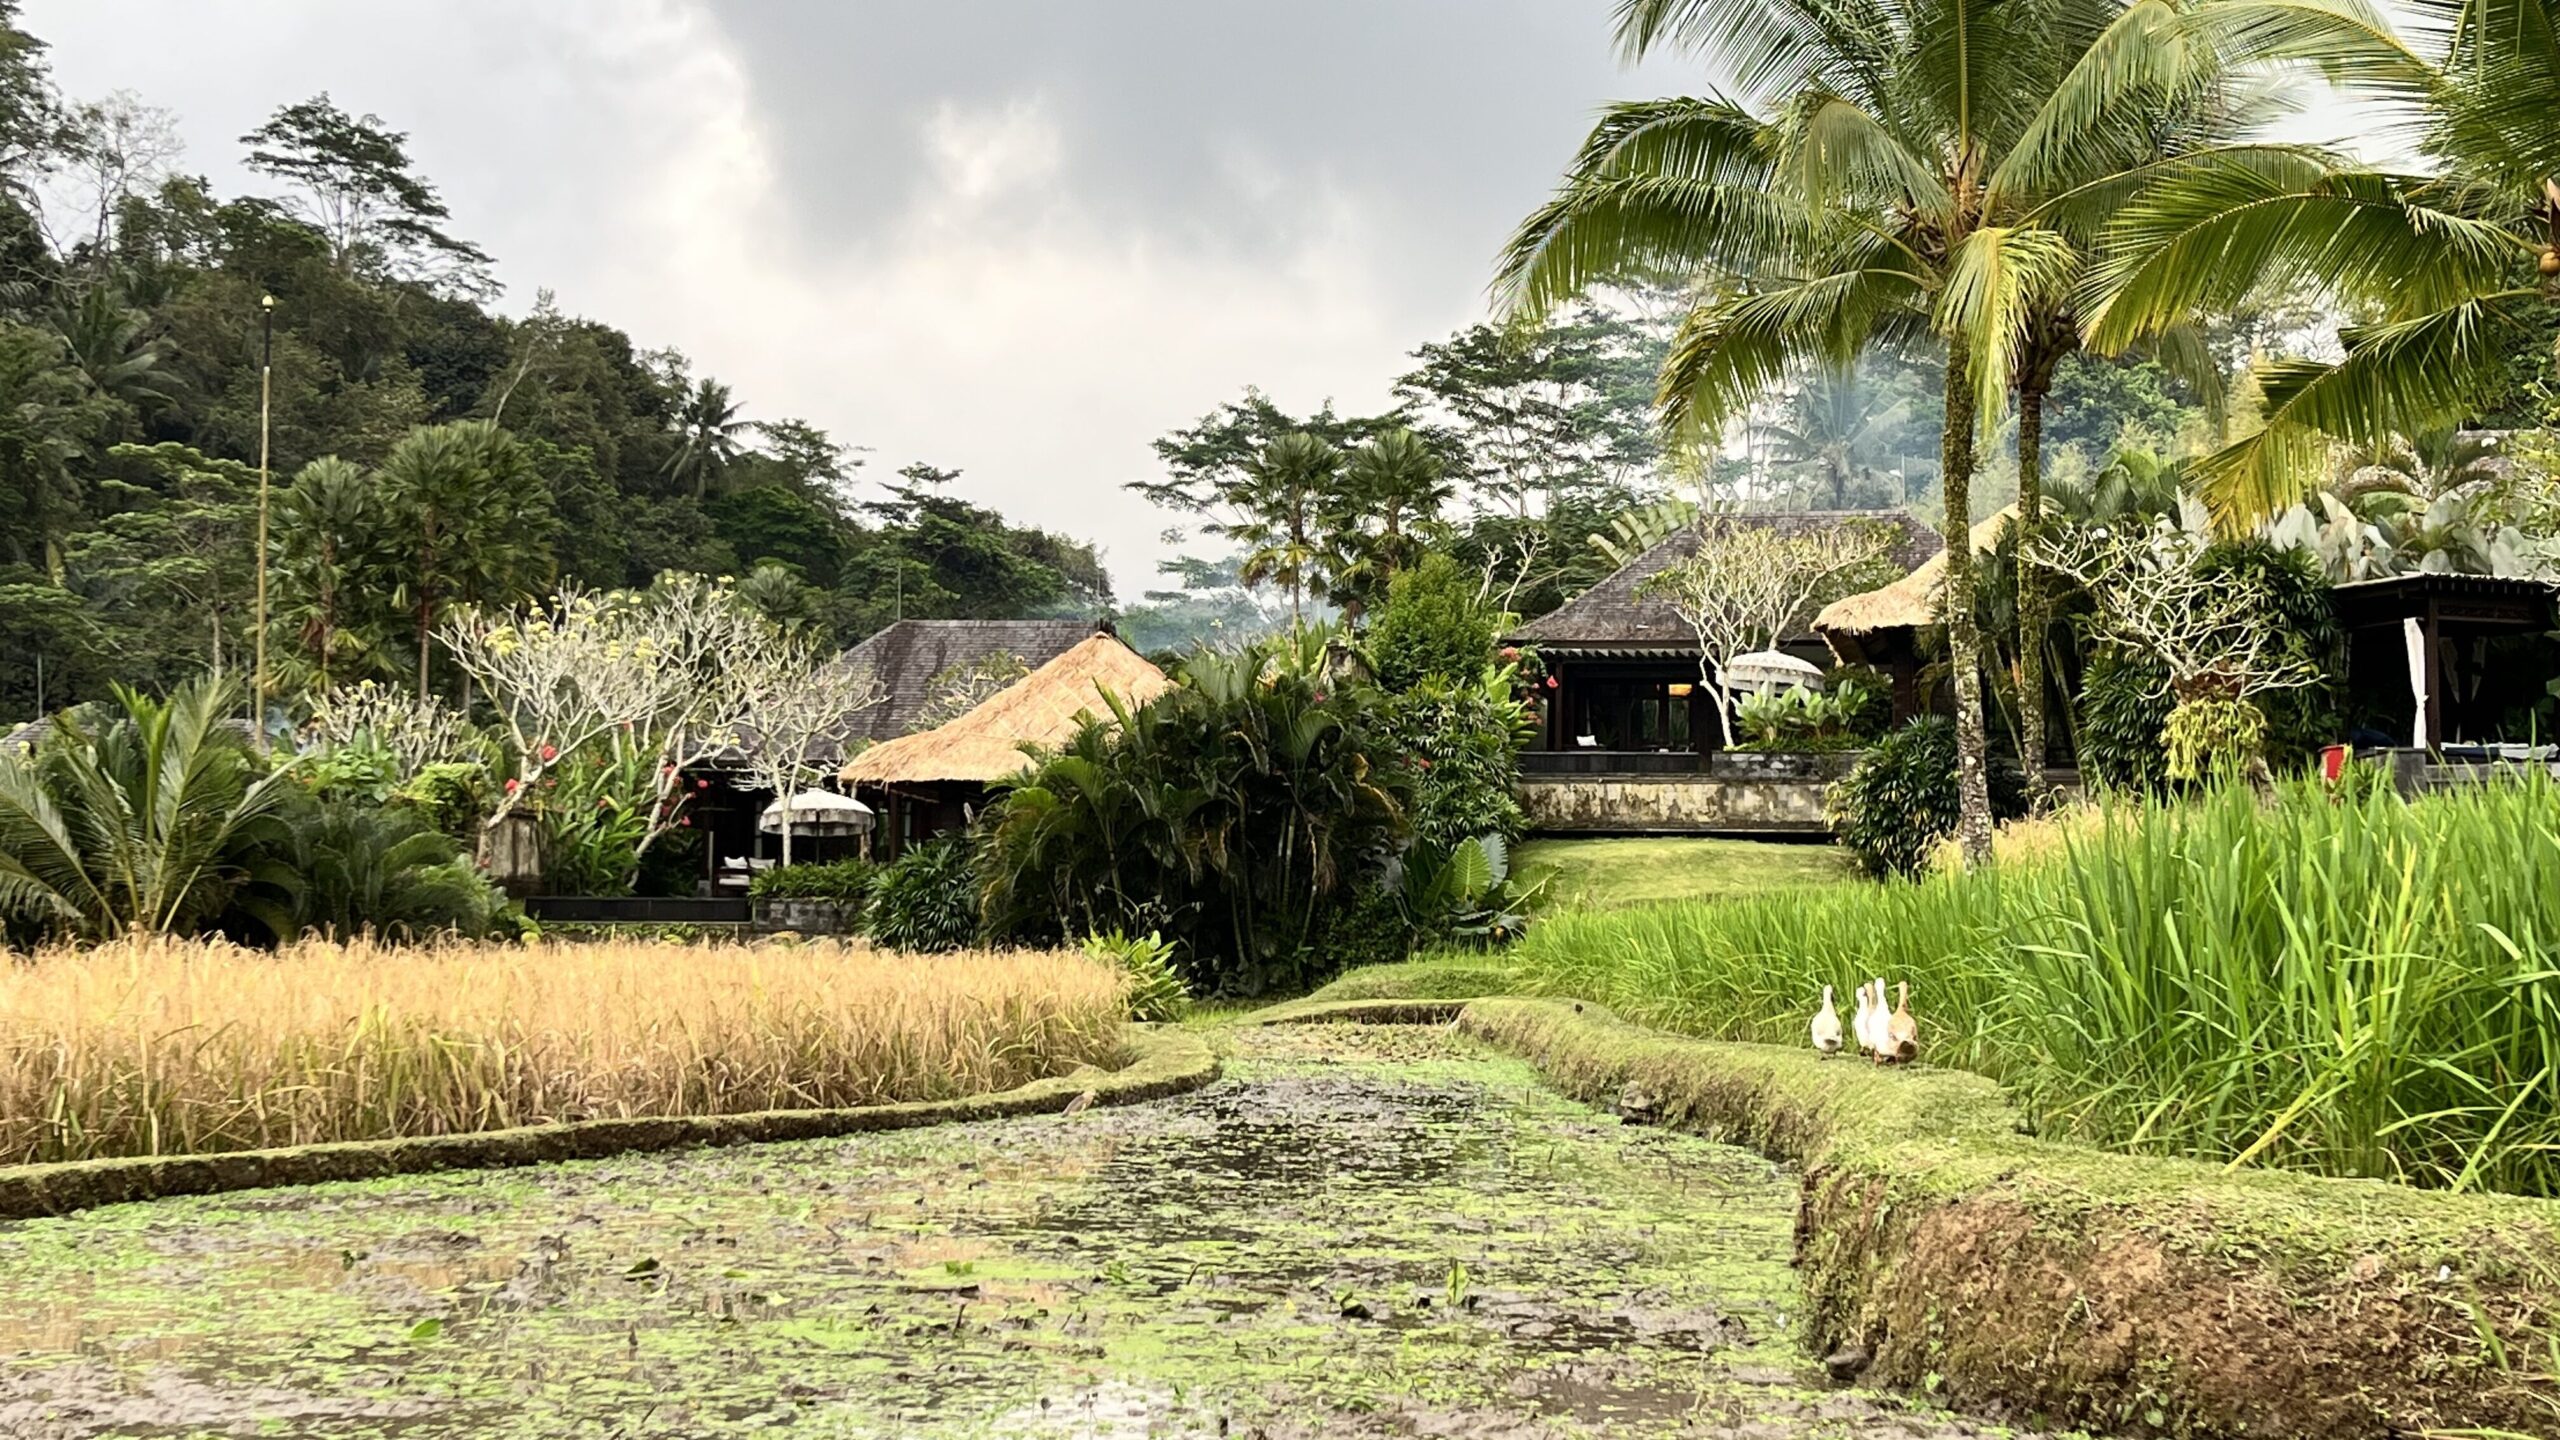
x: 934, y: 780
x: 1908, y: 603
x: 909, y: 656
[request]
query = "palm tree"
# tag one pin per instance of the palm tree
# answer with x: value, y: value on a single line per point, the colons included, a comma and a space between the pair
x: 1882, y: 176
x: 326, y: 524
x: 473, y: 523
x: 2452, y: 267
x: 152, y: 823
x: 708, y: 437
x: 1390, y: 487
x: 1831, y: 417
x: 106, y: 343
x: 1282, y: 494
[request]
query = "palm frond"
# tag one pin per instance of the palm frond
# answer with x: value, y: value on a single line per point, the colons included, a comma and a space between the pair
x: 1782, y: 46
x: 1838, y: 154
x: 1728, y: 353
x: 2402, y: 378
x: 2226, y: 227
x: 2000, y: 284
x: 1658, y: 190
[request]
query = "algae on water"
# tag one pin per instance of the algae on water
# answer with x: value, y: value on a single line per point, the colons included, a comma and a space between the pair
x: 1360, y: 1231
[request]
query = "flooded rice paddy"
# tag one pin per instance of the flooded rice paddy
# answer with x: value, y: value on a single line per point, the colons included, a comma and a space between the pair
x: 1359, y: 1232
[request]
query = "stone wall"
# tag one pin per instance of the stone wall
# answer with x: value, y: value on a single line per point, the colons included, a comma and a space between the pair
x: 1673, y: 804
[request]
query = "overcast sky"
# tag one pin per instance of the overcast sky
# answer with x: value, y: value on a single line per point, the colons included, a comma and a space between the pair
x: 1021, y: 239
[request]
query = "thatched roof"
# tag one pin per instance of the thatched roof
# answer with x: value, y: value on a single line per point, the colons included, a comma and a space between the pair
x: 907, y: 656
x: 1611, y: 618
x: 1910, y: 601
x: 1042, y: 708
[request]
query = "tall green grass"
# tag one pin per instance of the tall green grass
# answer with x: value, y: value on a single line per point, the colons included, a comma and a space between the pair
x: 2351, y: 985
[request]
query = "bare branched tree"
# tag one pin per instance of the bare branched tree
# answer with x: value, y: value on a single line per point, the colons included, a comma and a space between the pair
x: 2215, y: 635
x: 1745, y: 584
x: 801, y: 711
x: 670, y: 672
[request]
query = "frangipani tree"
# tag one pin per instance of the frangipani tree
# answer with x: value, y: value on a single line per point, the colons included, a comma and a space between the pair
x: 2213, y: 631
x: 666, y: 675
x: 1744, y: 584
x: 803, y: 705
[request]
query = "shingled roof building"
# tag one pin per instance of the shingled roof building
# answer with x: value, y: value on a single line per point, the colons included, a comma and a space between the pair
x: 1622, y: 668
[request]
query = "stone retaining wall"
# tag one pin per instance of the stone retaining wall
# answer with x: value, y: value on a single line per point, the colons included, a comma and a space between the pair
x: 1674, y: 804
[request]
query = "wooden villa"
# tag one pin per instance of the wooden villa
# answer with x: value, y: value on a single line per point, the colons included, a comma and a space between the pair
x: 934, y: 781
x: 1622, y: 687
x: 915, y: 662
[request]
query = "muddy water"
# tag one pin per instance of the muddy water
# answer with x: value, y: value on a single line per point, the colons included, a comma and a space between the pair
x: 1360, y: 1232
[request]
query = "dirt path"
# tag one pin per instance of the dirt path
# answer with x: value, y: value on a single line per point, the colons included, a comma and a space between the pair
x: 1360, y: 1232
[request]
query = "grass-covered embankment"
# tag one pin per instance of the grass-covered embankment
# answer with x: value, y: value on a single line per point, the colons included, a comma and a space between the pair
x: 1644, y: 870
x: 163, y: 1048
x: 2355, y: 986
x: 2123, y: 1292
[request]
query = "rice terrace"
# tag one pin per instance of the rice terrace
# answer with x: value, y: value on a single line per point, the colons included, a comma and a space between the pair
x: 1758, y: 719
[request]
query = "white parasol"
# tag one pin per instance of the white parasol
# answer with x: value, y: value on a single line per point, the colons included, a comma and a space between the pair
x: 819, y: 812
x: 1770, y: 670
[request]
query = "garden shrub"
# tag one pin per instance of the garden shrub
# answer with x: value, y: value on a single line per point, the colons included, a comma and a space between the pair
x: 1459, y: 742
x: 1156, y: 991
x: 927, y: 898
x: 847, y: 879
x: 2302, y: 719
x: 1799, y: 720
x: 449, y: 795
x: 2211, y: 735
x: 1892, y: 810
x: 359, y: 869
x: 2123, y: 705
x: 1435, y: 625
x: 1372, y: 928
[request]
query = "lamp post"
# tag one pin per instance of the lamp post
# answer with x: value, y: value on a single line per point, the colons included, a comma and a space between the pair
x: 266, y: 402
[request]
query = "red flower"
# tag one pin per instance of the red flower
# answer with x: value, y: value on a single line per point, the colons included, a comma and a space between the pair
x: 687, y: 821
x: 550, y: 753
x: 701, y: 784
x: 512, y: 783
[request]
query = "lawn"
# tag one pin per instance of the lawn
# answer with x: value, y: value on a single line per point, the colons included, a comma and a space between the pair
x: 1590, y: 874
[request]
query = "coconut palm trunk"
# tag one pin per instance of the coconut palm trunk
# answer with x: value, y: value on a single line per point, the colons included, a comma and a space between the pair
x: 2035, y: 382
x: 1964, y: 634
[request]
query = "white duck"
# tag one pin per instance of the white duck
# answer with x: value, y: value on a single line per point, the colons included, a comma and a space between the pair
x: 1826, y: 1025
x: 1863, y: 1023
x: 1901, y: 1031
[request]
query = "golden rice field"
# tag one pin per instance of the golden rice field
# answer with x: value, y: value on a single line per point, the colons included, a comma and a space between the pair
x: 168, y: 1047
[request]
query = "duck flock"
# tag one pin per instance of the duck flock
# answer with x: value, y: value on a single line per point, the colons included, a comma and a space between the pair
x: 1887, y: 1033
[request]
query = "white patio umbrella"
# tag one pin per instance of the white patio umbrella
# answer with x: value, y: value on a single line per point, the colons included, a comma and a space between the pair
x: 1770, y: 670
x: 819, y: 812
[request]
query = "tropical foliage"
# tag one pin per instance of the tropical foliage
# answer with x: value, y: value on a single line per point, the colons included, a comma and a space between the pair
x: 2451, y: 269
x: 151, y: 817
x: 1230, y: 815
x: 1901, y: 799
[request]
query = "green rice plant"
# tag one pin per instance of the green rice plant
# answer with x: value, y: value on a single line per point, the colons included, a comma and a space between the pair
x: 2344, y: 983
